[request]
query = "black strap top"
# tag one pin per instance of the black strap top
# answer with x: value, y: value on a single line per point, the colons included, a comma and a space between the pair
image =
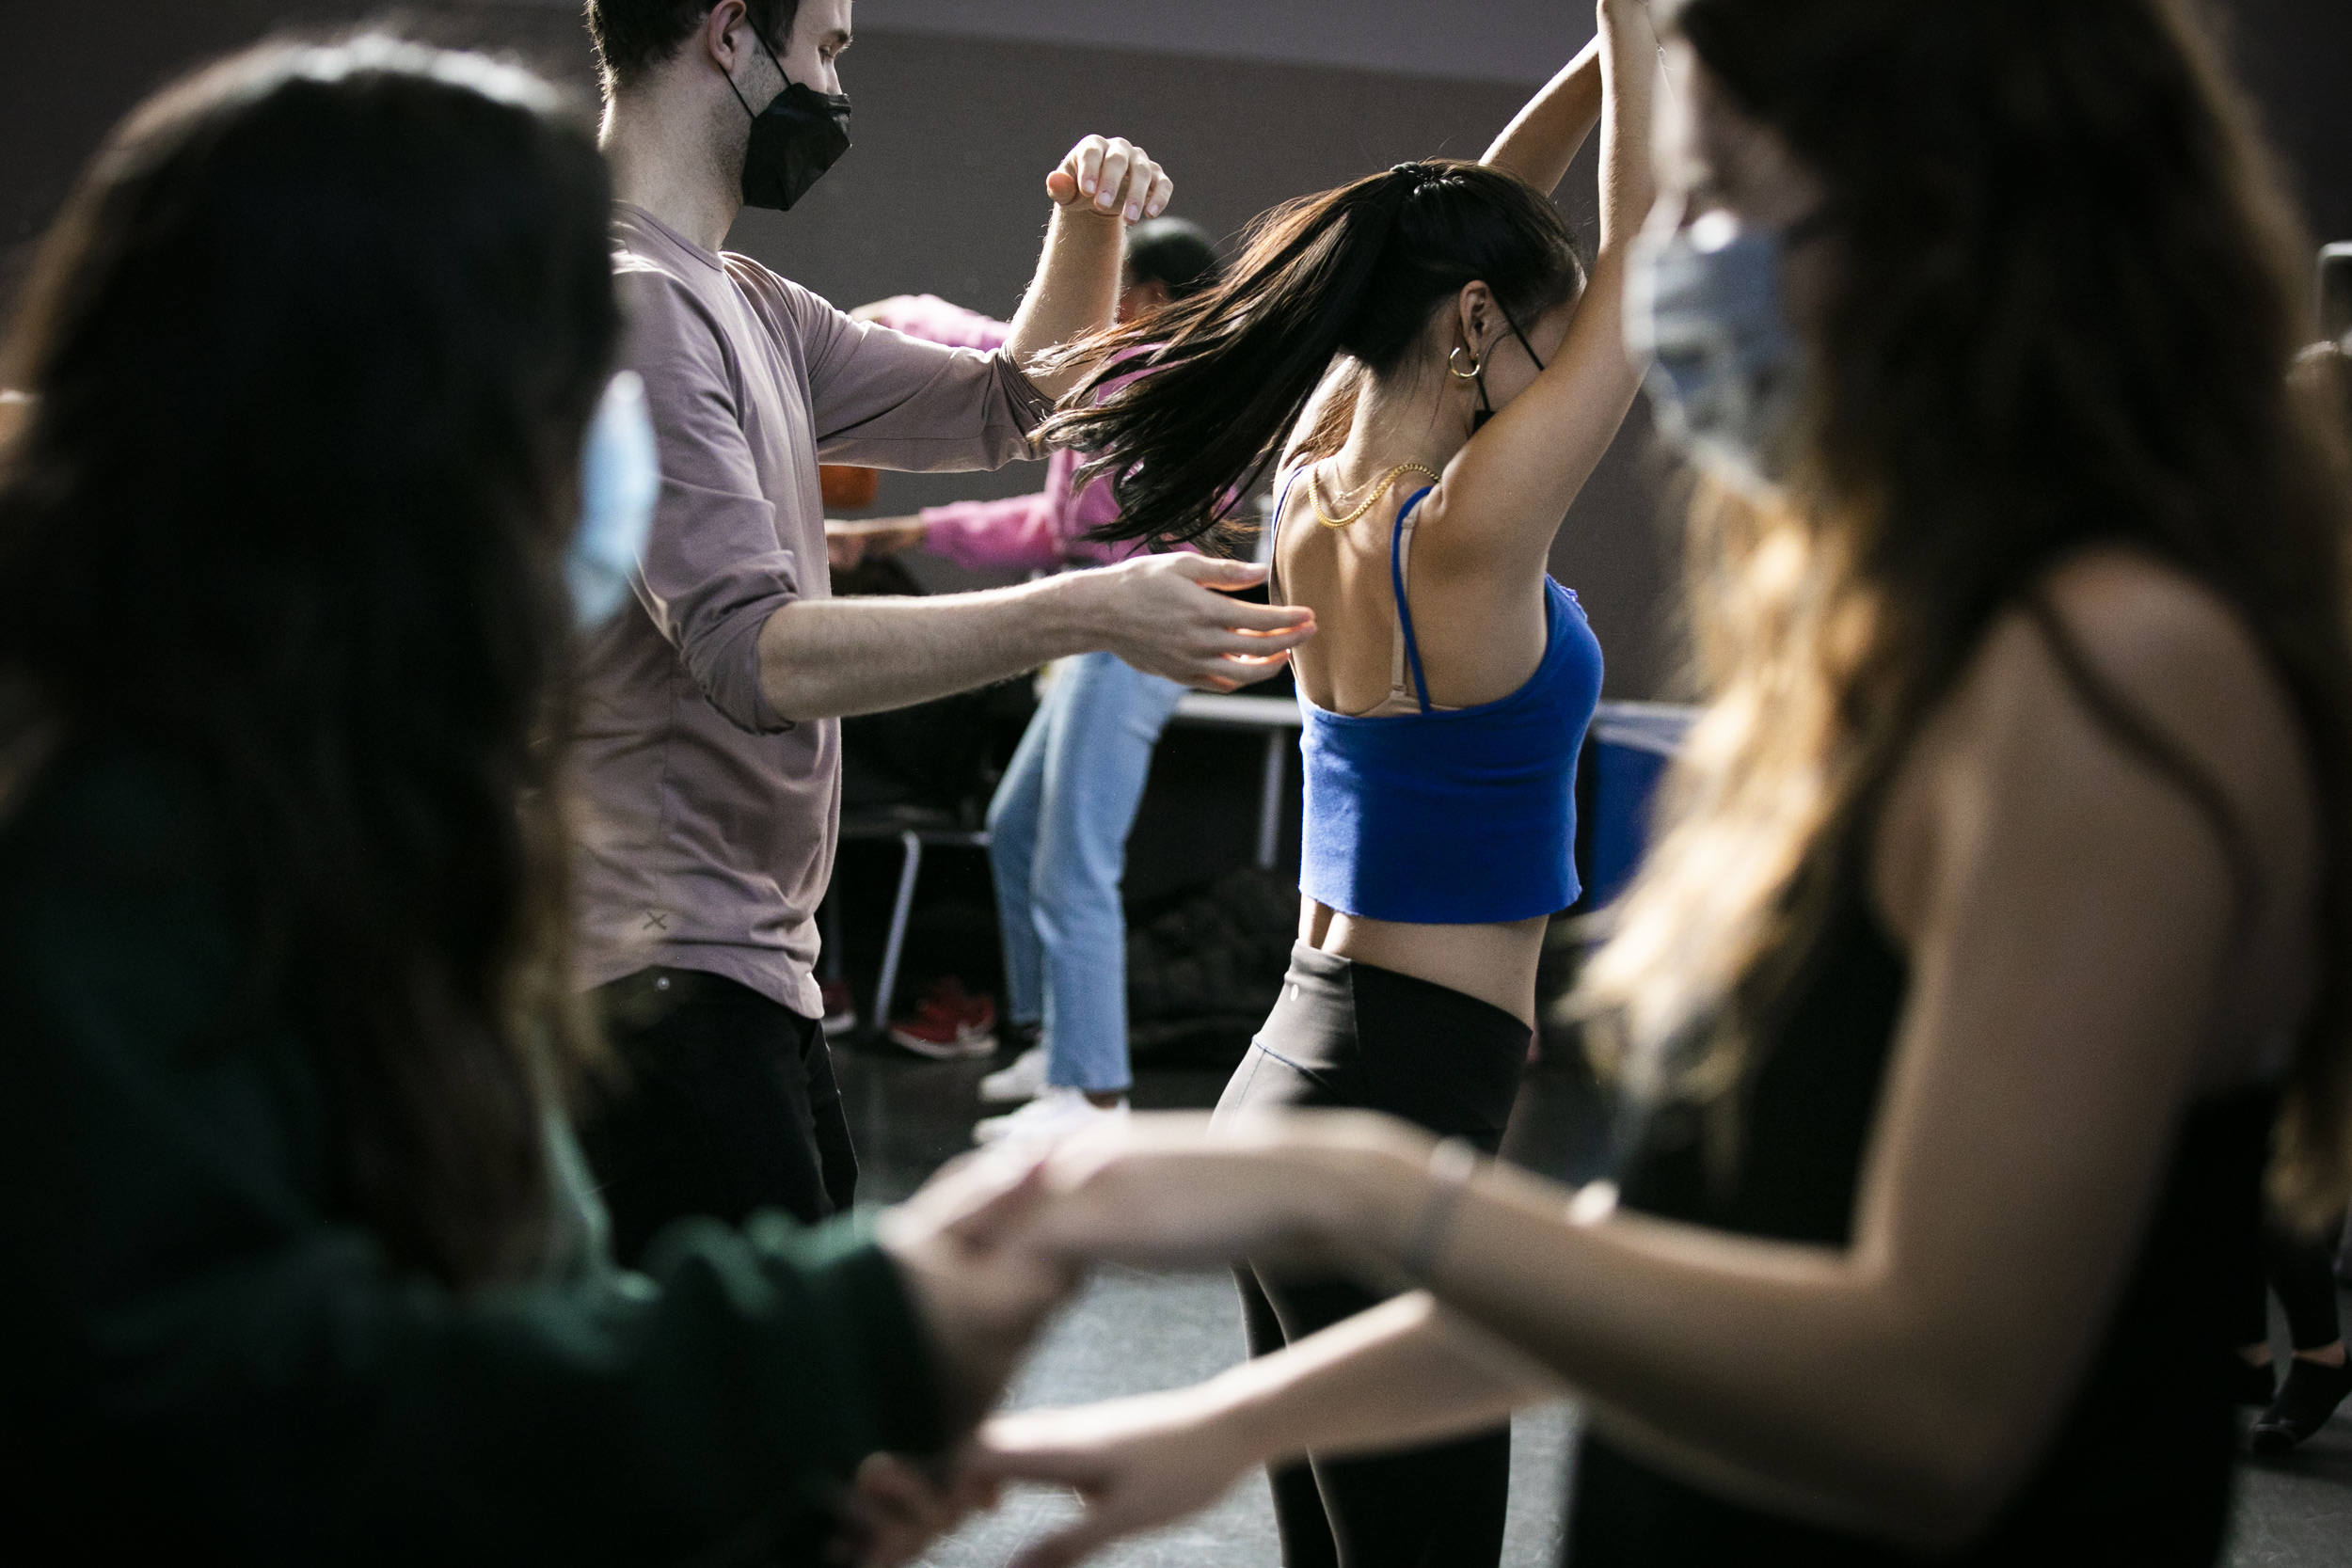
x: 2140, y: 1471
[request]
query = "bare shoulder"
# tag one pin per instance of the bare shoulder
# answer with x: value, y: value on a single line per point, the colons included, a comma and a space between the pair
x: 2137, y: 615
x: 2170, y: 652
x: 2181, y: 658
x: 2021, y: 739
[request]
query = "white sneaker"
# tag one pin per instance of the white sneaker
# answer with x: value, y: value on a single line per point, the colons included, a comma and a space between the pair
x: 1022, y: 1081
x: 1049, y: 1118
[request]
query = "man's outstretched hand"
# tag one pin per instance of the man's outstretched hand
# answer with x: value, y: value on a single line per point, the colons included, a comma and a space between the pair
x: 1172, y: 615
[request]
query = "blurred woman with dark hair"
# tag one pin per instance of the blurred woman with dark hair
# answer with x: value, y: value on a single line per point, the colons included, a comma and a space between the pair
x: 1994, y: 944
x: 325, y: 463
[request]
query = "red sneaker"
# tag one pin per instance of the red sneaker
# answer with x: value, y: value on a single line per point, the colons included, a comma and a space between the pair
x: 948, y: 1023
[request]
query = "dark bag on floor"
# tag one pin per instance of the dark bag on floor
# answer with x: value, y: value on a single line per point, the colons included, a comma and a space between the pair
x: 1204, y: 974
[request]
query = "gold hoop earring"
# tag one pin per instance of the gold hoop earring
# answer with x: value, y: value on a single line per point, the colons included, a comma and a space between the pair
x: 1475, y: 370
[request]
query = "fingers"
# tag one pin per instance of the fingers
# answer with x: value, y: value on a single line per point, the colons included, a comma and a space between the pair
x: 1111, y: 187
x: 1114, y: 176
x: 1084, y: 164
x: 895, y: 1512
x: 1224, y: 677
x: 1222, y: 642
x: 1250, y: 671
x: 996, y: 1214
x: 1232, y: 577
x: 1286, y: 625
x: 1070, y: 1548
x: 976, y: 1197
x: 1228, y: 575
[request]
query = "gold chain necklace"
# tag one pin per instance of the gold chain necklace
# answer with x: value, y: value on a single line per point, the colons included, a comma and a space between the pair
x: 1314, y: 492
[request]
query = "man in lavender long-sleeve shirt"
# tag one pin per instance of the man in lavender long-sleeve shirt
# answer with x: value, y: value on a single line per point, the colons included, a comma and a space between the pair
x: 708, y: 755
x: 1060, y: 823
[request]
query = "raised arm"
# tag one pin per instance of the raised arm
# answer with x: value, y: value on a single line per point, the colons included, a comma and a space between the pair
x: 1506, y: 494
x: 1544, y: 138
x: 1102, y: 187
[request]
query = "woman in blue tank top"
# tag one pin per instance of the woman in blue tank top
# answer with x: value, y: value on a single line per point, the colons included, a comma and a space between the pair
x: 1438, y: 377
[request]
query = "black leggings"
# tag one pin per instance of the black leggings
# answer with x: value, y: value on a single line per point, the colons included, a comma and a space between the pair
x: 1348, y: 1035
x: 2303, y: 1270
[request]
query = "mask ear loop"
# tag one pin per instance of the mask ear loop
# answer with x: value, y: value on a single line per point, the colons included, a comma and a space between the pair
x: 772, y: 60
x: 1512, y: 321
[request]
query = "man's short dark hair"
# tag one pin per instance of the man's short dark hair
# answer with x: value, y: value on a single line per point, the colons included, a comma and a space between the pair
x: 1177, y: 255
x: 635, y: 35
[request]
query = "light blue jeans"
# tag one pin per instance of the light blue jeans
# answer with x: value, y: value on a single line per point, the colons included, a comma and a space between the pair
x: 1058, y: 848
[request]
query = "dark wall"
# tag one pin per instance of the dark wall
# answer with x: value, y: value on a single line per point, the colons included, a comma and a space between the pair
x: 943, y: 191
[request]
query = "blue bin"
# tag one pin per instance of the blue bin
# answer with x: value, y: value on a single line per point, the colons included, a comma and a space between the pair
x: 1627, y: 751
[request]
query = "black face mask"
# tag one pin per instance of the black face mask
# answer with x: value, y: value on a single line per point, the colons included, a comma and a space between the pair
x: 794, y: 140
x: 1486, y: 410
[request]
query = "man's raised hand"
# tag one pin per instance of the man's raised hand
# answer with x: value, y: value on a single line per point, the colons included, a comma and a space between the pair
x: 1113, y: 176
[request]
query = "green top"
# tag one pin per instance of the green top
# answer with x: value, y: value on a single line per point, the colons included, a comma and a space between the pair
x: 193, y: 1341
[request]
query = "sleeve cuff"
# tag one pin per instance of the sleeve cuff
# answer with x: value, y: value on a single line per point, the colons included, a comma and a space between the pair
x: 1029, y: 406
x: 894, y: 1352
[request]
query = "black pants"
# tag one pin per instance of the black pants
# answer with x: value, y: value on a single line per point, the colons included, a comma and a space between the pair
x: 1349, y: 1034
x: 729, y: 1107
x: 2302, y: 1270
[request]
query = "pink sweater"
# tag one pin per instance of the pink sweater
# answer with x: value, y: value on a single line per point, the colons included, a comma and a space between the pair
x: 1033, y: 532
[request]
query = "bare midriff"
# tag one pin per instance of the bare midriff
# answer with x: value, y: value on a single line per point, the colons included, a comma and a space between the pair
x: 1494, y: 963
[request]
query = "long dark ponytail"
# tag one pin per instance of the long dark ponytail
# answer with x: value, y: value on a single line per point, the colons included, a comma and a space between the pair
x: 1356, y: 271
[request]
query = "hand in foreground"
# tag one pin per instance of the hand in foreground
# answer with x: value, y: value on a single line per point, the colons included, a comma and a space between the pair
x: 1167, y: 615
x: 895, y: 1507
x: 980, y: 1284
x: 1120, y: 176
x: 1314, y: 1188
x: 1138, y: 1463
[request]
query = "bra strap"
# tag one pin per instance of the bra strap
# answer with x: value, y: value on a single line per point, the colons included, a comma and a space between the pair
x: 1409, y: 647
x: 1274, y: 545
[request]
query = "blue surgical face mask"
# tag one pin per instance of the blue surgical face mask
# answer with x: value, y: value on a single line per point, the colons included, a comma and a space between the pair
x: 620, y: 479
x: 1704, y: 309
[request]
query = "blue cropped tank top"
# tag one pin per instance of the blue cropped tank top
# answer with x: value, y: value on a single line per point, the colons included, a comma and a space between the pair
x: 1450, y: 816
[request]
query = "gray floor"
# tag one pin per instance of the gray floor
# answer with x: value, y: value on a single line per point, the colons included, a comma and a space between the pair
x: 1131, y: 1332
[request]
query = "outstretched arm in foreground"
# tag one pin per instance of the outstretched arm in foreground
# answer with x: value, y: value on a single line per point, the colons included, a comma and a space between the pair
x: 1404, y: 1373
